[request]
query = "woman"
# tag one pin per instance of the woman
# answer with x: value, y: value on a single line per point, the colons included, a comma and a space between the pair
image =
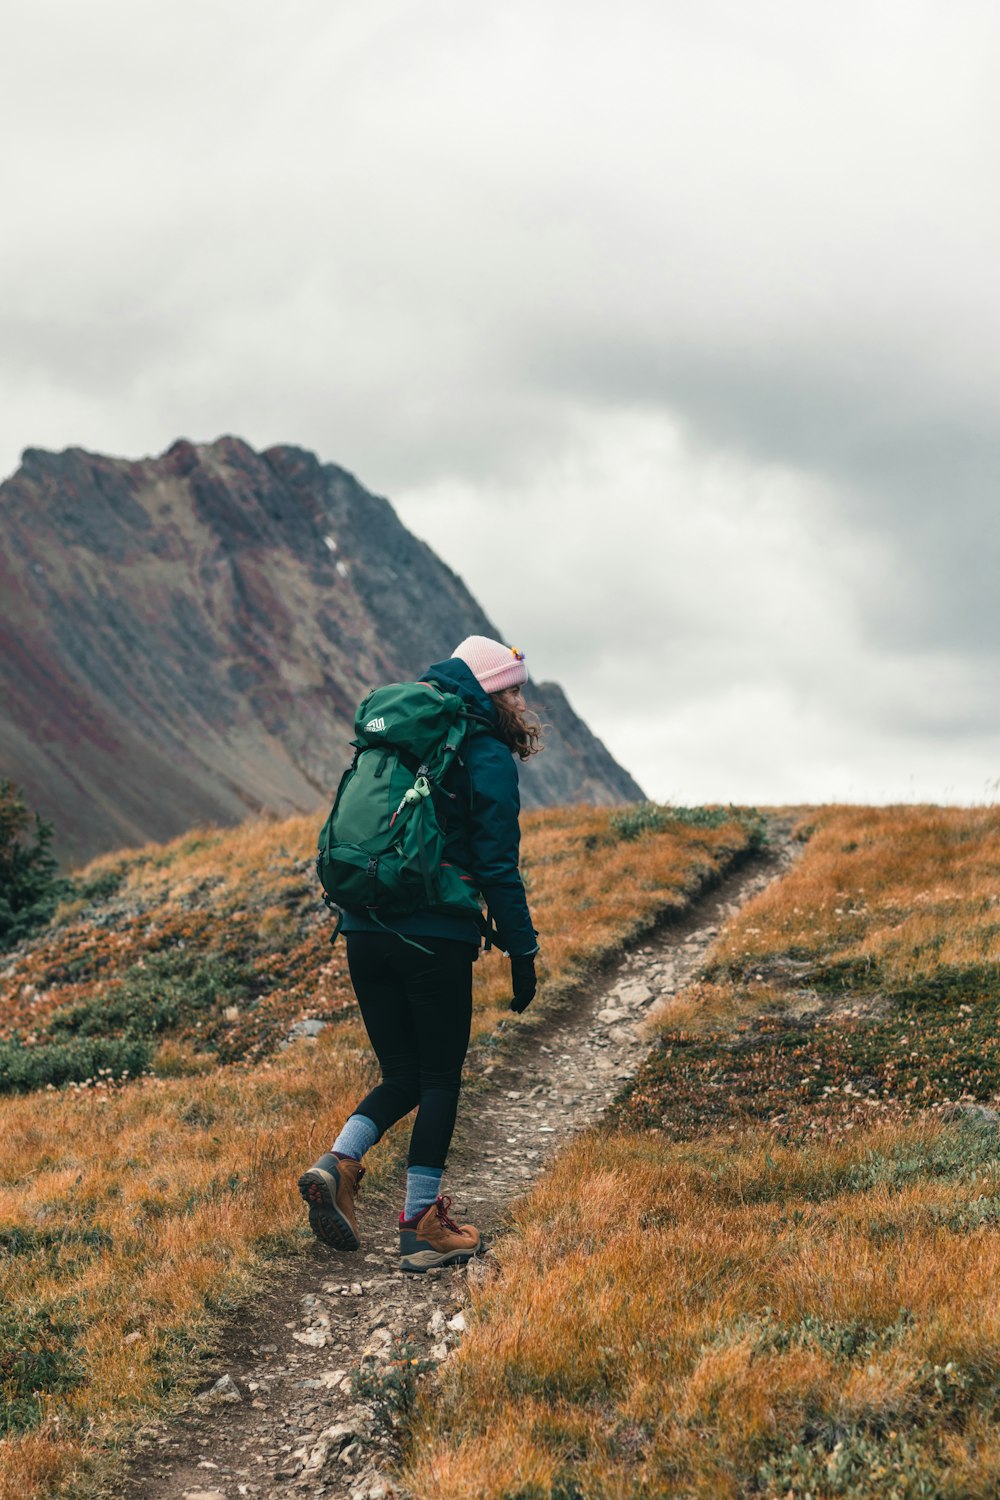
x: 416, y: 997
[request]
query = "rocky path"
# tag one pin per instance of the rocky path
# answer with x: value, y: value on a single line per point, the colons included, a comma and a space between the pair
x: 281, y: 1418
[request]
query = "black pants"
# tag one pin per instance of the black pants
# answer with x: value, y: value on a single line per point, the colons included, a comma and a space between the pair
x: 417, y: 1009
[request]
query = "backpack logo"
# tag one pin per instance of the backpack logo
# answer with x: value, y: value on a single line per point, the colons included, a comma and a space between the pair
x: 375, y: 726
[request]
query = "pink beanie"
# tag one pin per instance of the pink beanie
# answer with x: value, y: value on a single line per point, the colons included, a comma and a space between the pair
x: 494, y: 666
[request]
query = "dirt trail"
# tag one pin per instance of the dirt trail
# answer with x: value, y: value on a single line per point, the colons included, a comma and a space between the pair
x: 282, y: 1420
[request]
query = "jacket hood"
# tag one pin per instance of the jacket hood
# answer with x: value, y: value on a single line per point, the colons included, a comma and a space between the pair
x: 455, y: 677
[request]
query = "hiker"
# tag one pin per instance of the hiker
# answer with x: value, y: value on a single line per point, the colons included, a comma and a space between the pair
x: 412, y: 975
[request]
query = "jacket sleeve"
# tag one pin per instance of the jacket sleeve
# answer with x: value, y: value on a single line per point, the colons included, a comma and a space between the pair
x: 496, y: 842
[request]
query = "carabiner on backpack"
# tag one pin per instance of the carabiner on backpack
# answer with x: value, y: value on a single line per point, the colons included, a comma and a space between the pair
x: 420, y: 788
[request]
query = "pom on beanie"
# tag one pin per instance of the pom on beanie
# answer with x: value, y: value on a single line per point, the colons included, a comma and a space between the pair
x: 494, y: 666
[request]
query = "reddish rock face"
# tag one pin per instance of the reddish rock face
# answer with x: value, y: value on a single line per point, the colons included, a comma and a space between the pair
x: 185, y: 639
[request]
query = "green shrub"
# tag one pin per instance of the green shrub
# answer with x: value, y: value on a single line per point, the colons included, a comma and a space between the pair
x: 65, y: 1246
x: 23, y: 1067
x: 845, y: 1341
x: 36, y: 1360
x: 100, y: 887
x: 854, y: 1464
x: 980, y: 1213
x: 391, y: 1388
x: 969, y: 1152
x: 30, y: 885
x: 163, y: 992
x: 655, y: 817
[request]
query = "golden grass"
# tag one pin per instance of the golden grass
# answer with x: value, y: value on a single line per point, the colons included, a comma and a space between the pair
x: 185, y: 1183
x: 863, y: 981
x: 901, y: 887
x: 250, y: 894
x: 237, y: 858
x: 669, y: 1320
x: 179, y: 1188
x: 761, y: 1310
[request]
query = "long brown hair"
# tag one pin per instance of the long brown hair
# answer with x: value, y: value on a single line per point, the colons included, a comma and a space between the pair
x: 520, y: 731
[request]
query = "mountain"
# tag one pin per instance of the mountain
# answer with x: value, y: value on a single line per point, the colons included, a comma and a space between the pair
x: 184, y: 639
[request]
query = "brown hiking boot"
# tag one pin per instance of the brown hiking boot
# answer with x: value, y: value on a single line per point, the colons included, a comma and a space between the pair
x: 330, y: 1188
x: 436, y: 1240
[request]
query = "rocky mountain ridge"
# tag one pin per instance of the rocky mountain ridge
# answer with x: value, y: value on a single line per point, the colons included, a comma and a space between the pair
x: 184, y: 639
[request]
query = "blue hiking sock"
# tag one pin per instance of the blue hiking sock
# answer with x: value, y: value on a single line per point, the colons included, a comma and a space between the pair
x: 422, y: 1185
x: 357, y: 1135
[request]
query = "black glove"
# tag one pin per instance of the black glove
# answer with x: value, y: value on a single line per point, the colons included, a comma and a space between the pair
x: 522, y: 973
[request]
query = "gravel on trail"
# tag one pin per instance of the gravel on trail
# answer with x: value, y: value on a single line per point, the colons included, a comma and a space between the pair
x: 280, y: 1419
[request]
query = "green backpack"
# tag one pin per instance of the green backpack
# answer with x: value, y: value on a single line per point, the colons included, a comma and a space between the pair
x: 381, y: 850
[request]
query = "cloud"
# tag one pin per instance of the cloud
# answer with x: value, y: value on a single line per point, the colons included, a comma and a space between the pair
x: 698, y: 302
x: 711, y: 617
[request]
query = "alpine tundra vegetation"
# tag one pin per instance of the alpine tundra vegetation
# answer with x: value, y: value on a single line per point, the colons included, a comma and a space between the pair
x: 769, y: 1270
x: 154, y: 1121
x: 772, y: 1271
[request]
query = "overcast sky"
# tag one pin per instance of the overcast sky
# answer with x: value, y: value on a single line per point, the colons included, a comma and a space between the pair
x: 674, y: 328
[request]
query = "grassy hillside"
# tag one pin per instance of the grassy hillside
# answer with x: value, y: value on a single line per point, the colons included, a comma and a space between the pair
x: 774, y: 1273
x: 153, y: 1127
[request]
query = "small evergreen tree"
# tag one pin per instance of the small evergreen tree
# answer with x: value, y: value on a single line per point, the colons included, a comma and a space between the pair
x: 30, y: 884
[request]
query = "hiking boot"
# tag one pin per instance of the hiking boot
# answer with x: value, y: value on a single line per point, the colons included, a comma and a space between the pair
x: 436, y: 1240
x: 330, y: 1188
